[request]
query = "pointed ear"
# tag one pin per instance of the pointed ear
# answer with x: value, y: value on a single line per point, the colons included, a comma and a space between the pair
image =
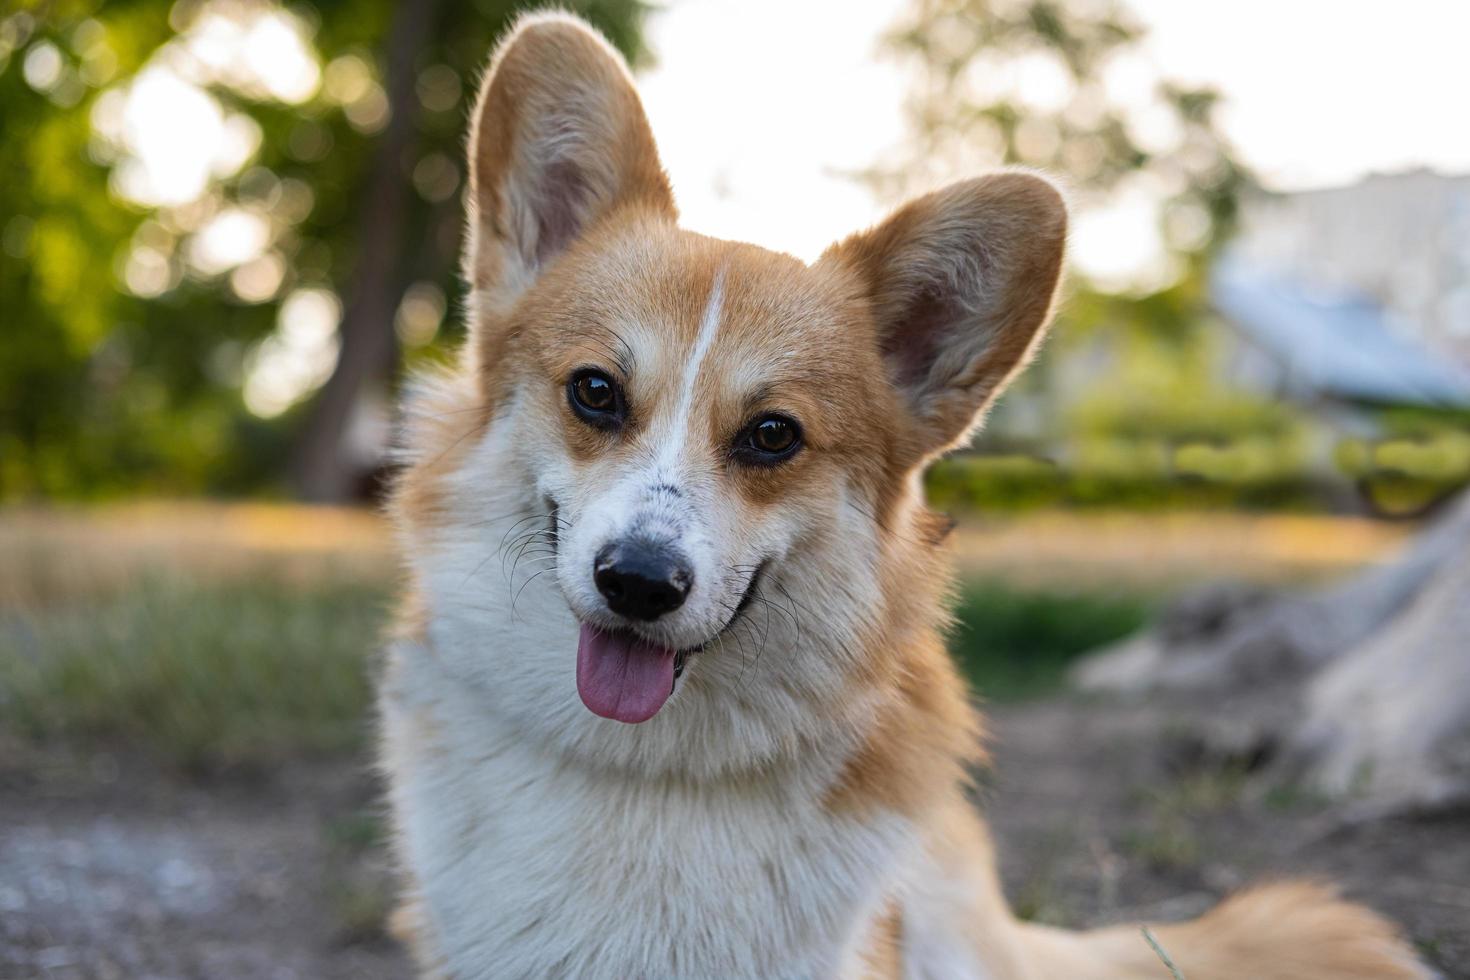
x: 558, y: 141
x: 961, y: 283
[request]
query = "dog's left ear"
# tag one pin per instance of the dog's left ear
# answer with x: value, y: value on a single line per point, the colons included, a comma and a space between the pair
x: 961, y: 283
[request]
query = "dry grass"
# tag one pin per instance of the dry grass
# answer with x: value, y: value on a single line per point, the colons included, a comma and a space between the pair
x: 228, y: 633
x: 208, y: 634
x: 1153, y: 551
x: 64, y: 555
x: 1161, y: 953
x: 70, y: 552
x: 206, y: 675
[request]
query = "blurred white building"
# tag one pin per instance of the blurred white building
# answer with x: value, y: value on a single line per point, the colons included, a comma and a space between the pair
x: 1358, y: 293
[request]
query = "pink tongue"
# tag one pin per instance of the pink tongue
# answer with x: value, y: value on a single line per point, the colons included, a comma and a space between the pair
x: 622, y: 677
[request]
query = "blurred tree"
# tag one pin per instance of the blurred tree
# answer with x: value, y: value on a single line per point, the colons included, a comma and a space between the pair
x: 1066, y: 86
x: 186, y: 190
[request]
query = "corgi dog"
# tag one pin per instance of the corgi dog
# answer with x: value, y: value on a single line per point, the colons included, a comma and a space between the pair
x: 668, y: 695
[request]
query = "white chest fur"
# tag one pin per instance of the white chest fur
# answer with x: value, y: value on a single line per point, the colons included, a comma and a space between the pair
x: 533, y: 866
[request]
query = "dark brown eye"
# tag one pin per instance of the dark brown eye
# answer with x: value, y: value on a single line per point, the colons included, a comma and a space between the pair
x: 595, y: 392
x: 774, y: 436
x: 770, y: 440
x: 595, y: 398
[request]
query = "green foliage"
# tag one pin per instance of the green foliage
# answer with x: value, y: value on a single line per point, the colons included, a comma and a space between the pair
x: 1133, y: 476
x: 995, y: 483
x: 1014, y: 644
x: 1145, y: 426
x: 1423, y: 461
x: 242, y: 673
x: 111, y: 383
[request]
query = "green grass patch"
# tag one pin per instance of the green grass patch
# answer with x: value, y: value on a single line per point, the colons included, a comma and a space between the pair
x: 254, y: 672
x: 1013, y: 644
x: 209, y: 675
x: 1169, y: 845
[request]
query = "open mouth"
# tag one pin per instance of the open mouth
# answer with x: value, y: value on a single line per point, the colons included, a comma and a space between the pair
x: 625, y: 677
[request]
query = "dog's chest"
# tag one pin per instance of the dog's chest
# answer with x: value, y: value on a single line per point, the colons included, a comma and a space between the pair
x: 530, y: 868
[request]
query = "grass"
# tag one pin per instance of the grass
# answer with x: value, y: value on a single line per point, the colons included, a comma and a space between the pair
x: 1014, y: 644
x: 251, y: 670
x: 229, y: 673
x: 359, y: 889
x: 1161, y: 953
x: 222, y: 635
x: 1169, y: 845
x: 233, y: 633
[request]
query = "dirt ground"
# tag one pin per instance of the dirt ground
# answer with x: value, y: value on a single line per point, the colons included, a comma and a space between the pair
x: 110, y: 868
x: 1102, y: 816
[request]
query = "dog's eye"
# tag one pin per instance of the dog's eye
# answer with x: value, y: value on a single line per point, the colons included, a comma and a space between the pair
x: 595, y: 393
x: 770, y: 440
x: 595, y: 398
x: 773, y: 435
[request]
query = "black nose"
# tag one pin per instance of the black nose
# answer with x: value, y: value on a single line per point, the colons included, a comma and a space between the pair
x: 642, y: 580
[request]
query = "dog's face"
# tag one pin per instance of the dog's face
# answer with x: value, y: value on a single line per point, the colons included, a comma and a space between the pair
x: 690, y: 421
x: 688, y: 430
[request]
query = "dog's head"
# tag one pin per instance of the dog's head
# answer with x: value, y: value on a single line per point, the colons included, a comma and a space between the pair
x: 707, y: 449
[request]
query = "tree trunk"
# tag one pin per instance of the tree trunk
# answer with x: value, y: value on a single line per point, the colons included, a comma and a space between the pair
x: 1361, y: 690
x: 323, y: 468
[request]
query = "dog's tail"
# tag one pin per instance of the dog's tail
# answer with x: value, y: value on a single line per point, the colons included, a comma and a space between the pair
x: 1288, y: 931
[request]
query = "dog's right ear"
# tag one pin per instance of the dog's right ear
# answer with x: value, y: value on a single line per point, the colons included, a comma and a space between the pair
x: 558, y: 141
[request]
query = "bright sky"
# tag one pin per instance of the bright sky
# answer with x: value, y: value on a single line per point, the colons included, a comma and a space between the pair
x: 761, y: 105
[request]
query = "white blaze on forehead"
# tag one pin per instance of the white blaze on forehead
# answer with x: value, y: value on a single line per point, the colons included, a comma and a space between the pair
x: 709, y: 325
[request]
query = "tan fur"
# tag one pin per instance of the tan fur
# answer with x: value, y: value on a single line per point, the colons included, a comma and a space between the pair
x: 883, y: 957
x: 409, y: 925
x: 888, y: 351
x: 1297, y: 930
x: 937, y: 258
x: 923, y: 738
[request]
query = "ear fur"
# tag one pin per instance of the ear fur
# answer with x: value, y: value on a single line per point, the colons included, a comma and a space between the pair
x: 558, y: 141
x: 961, y: 283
